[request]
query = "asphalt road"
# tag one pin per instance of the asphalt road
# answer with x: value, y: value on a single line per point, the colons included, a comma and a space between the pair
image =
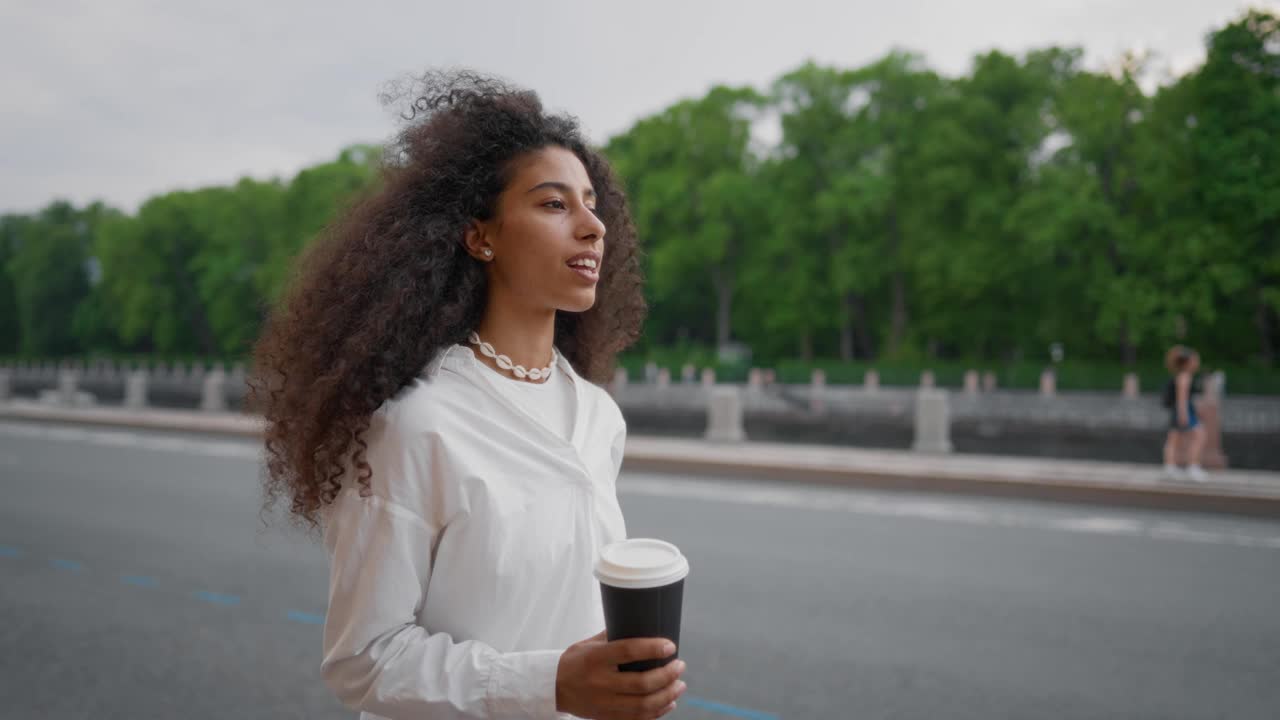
x: 137, y: 581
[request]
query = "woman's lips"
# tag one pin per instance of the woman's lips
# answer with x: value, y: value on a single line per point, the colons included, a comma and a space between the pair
x: 587, y: 274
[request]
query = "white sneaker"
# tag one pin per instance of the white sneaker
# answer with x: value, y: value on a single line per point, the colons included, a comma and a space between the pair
x: 1173, y: 472
x: 1197, y: 474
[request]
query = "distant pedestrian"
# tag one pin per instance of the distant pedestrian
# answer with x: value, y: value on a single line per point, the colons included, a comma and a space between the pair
x: 1185, y: 438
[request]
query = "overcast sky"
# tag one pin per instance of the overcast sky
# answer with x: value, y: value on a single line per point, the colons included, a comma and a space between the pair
x: 124, y: 99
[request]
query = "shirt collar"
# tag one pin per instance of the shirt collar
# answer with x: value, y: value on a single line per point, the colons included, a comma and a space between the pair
x: 461, y: 359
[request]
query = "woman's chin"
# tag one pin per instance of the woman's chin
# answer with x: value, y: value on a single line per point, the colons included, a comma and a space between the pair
x: 579, y: 302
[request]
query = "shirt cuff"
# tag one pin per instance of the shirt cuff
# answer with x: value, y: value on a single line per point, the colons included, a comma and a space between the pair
x: 523, y: 685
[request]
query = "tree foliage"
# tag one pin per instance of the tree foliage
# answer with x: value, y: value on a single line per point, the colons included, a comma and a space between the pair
x: 882, y: 213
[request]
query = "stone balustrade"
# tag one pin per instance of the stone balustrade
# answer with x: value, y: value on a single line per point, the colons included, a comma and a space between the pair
x: 929, y: 409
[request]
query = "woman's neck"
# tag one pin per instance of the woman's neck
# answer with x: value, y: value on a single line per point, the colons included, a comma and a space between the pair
x: 525, y: 337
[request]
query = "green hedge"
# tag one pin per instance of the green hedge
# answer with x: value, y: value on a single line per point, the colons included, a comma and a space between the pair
x: 134, y: 360
x: 1104, y: 377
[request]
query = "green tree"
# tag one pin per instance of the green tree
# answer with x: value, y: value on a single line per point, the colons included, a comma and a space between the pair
x: 1194, y: 280
x: 1084, y: 207
x: 311, y: 201
x: 892, y: 98
x: 901, y: 213
x: 48, y: 269
x: 149, y: 276
x: 818, y: 268
x: 690, y: 177
x: 1236, y: 123
x: 11, y: 231
x: 237, y: 225
x: 95, y: 320
x: 978, y: 160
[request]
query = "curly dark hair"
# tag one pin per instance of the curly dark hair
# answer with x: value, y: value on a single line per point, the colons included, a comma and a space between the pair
x: 388, y: 284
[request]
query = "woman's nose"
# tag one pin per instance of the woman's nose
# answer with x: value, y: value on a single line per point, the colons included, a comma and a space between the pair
x: 592, y: 227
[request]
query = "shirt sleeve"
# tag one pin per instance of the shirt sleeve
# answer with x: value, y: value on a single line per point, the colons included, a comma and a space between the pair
x: 378, y: 659
x: 617, y: 449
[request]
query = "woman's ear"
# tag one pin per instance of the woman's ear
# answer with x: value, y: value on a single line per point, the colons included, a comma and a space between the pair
x: 475, y: 240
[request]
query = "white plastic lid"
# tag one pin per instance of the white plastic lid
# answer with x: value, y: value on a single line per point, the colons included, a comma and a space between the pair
x: 640, y: 563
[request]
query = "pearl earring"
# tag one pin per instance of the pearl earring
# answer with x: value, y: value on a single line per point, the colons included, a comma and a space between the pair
x: 488, y: 252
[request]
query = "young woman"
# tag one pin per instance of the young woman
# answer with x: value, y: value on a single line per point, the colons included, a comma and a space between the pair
x: 1185, y: 435
x: 427, y: 386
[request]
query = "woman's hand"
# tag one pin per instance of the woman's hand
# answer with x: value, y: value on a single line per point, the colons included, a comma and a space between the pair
x: 589, y: 684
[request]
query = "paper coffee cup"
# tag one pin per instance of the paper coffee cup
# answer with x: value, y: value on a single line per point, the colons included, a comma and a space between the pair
x: 642, y: 589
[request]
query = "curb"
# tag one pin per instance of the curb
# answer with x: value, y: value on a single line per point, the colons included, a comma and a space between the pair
x: 179, y: 420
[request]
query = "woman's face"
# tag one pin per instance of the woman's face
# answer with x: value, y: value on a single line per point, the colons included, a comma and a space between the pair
x: 547, y: 243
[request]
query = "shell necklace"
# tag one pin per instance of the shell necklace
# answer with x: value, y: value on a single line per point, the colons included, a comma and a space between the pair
x: 505, y: 363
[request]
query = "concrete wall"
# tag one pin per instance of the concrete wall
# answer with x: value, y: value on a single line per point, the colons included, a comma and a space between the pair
x: 1241, y: 413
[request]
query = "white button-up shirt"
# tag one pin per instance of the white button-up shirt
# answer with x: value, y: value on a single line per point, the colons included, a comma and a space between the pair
x: 458, y: 582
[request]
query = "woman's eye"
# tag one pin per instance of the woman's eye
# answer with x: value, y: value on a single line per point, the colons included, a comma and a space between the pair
x: 557, y: 204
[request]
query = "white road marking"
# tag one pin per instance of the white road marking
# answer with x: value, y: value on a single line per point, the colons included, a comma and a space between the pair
x: 852, y: 502
x: 1101, y: 525
x: 21, y: 430
x: 166, y: 443
x: 122, y: 439
x: 1176, y: 531
x: 66, y: 433
x: 233, y: 450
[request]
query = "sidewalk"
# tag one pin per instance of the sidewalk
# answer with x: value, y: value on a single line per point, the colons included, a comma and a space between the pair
x: 1241, y: 492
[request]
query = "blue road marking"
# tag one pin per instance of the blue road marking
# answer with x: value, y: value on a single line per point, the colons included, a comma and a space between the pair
x: 217, y: 598
x: 140, y: 580
x: 723, y: 709
x: 305, y: 618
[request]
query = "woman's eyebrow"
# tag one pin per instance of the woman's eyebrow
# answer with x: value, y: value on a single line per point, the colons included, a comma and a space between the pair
x: 562, y: 187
